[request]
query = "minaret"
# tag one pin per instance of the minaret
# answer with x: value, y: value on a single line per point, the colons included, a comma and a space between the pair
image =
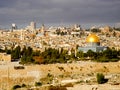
x: 33, y: 26
x: 42, y: 28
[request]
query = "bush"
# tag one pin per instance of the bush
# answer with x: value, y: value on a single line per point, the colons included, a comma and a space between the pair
x: 80, y: 82
x: 101, y: 79
x: 16, y: 87
x: 23, y: 85
x: 38, y: 84
x: 61, y: 68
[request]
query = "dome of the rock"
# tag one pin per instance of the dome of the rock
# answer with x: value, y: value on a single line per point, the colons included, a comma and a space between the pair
x: 92, y: 38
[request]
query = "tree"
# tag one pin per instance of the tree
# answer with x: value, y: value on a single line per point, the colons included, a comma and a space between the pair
x: 29, y: 51
x: 54, y: 56
x: 16, y: 53
x: 118, y: 53
x: 80, y: 54
x: 27, y: 59
x: 36, y: 53
x: 27, y: 56
x: 110, y: 54
x: 23, y: 51
x: 38, y: 59
x: 8, y: 51
x: 90, y: 53
x: 1, y: 50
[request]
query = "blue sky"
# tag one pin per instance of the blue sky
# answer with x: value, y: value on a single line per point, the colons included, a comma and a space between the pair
x: 53, y: 12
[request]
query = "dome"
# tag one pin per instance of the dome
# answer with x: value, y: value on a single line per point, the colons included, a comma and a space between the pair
x: 92, y: 38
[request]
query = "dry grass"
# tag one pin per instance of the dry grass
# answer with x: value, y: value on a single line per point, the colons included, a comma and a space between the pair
x: 31, y: 74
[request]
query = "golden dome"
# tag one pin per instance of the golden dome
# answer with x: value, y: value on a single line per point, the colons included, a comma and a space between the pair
x: 92, y: 38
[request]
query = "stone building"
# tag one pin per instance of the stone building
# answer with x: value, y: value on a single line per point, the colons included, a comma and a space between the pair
x: 93, y: 43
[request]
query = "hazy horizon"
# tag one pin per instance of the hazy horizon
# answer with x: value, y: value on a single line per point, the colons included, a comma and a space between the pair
x: 83, y: 25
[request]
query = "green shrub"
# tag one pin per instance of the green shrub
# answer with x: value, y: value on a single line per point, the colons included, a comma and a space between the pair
x: 101, y: 79
x: 16, y: 87
x: 23, y: 85
x: 38, y: 84
x: 61, y: 68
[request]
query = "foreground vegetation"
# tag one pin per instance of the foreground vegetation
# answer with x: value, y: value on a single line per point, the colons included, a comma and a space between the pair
x: 101, y: 78
x: 50, y: 55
